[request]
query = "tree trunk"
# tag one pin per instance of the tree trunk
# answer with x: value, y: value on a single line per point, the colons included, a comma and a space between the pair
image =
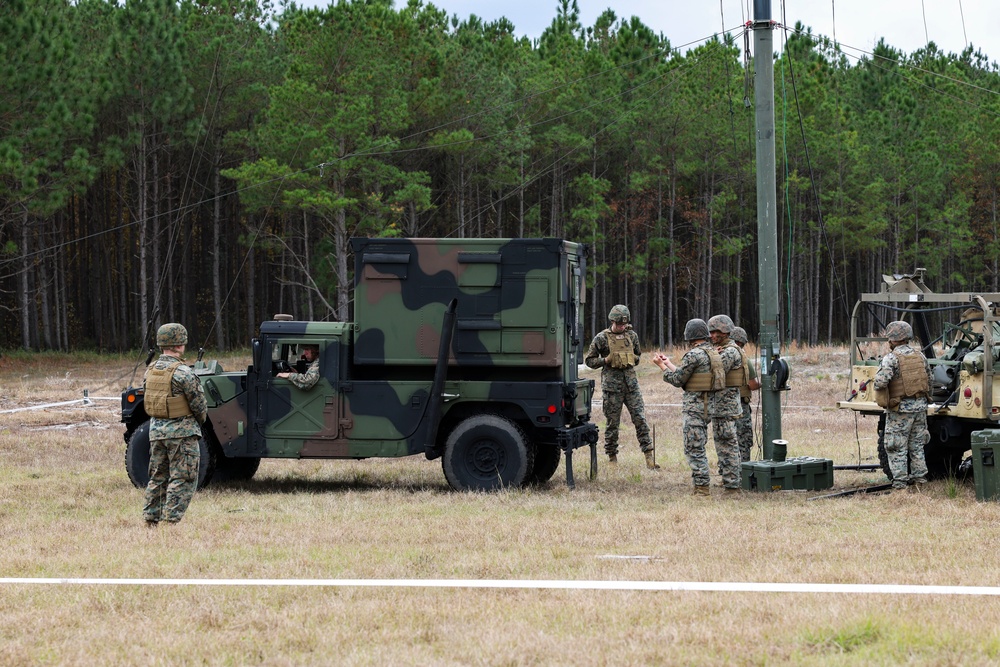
x: 251, y: 273
x: 25, y: 283
x: 220, y: 339
x: 140, y: 170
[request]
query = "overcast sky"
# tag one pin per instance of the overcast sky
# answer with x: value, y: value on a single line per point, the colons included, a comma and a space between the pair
x: 855, y: 23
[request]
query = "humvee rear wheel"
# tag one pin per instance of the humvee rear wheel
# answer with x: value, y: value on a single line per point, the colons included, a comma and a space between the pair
x: 485, y: 453
x: 137, y: 459
x: 546, y: 463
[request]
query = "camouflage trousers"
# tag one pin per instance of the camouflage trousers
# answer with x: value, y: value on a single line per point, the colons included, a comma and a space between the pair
x: 744, y: 432
x: 905, y: 436
x: 173, y: 477
x: 632, y: 400
x: 726, y: 449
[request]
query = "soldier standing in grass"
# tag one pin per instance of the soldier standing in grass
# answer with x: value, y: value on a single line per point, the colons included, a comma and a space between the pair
x: 176, y: 404
x: 700, y: 374
x: 308, y: 379
x: 901, y: 386
x: 616, y: 352
x: 728, y: 408
x: 744, y: 424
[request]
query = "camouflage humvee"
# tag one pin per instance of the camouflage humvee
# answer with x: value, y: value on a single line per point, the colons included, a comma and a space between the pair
x: 462, y: 349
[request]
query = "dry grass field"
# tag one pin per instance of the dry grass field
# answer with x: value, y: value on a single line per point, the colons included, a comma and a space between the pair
x: 67, y: 510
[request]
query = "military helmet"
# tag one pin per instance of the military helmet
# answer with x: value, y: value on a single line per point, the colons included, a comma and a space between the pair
x: 619, y: 314
x: 696, y: 330
x: 721, y: 323
x: 171, y: 335
x: 898, y: 331
x: 740, y: 335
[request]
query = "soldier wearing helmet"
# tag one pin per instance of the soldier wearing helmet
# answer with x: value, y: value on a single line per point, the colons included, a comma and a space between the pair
x: 902, y: 384
x: 616, y: 352
x: 744, y: 424
x: 734, y: 364
x: 702, y: 375
x: 175, y: 402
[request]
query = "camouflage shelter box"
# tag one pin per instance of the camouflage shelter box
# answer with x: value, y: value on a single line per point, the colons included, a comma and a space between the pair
x: 517, y: 301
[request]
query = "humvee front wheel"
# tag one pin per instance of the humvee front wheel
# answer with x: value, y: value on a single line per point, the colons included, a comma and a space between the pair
x: 234, y: 469
x: 485, y: 453
x: 137, y: 459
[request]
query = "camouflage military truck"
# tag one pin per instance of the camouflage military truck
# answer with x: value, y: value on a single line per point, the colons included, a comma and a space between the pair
x: 960, y: 336
x: 463, y: 350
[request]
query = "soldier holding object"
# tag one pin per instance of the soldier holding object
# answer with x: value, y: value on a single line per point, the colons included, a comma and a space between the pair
x: 702, y: 376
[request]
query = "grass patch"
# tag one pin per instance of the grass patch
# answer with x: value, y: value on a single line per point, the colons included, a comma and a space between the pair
x: 849, y: 639
x: 68, y: 510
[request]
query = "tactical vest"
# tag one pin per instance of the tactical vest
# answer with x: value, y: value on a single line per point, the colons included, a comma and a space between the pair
x: 912, y: 380
x: 622, y: 352
x: 739, y: 377
x: 159, y: 399
x: 911, y: 383
x: 713, y: 380
x: 745, y: 393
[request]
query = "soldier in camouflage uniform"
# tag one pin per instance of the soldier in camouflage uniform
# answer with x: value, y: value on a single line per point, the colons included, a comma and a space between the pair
x: 176, y: 404
x: 903, y: 379
x: 727, y: 445
x: 308, y: 379
x: 616, y: 352
x: 701, y: 374
x: 744, y: 424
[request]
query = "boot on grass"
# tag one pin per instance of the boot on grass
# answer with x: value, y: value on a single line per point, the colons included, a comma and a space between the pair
x: 651, y: 460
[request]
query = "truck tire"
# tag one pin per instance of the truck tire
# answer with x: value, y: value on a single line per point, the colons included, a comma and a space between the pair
x: 137, y: 459
x: 883, y: 457
x: 234, y: 469
x: 943, y: 459
x: 486, y: 452
x: 547, y: 459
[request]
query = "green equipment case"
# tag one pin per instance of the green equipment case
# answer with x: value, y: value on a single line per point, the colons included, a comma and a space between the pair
x: 985, y: 468
x: 801, y: 472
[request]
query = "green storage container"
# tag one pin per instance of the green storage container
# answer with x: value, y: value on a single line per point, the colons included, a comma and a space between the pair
x: 986, y: 463
x: 801, y: 472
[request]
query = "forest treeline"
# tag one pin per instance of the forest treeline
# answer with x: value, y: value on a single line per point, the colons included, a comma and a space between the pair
x: 206, y: 161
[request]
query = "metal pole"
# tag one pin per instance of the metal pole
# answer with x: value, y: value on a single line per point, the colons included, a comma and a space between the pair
x: 767, y: 222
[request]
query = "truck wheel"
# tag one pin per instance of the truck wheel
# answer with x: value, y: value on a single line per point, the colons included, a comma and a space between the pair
x: 234, y: 469
x: 942, y: 461
x: 137, y: 459
x: 547, y: 459
x: 485, y: 453
x: 883, y: 457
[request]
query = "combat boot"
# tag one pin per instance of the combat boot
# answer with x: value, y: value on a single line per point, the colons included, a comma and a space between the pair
x: 650, y: 461
x: 731, y: 492
x: 613, y: 459
x: 702, y: 491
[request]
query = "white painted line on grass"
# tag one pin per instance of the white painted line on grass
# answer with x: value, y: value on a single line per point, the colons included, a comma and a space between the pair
x: 716, y: 586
